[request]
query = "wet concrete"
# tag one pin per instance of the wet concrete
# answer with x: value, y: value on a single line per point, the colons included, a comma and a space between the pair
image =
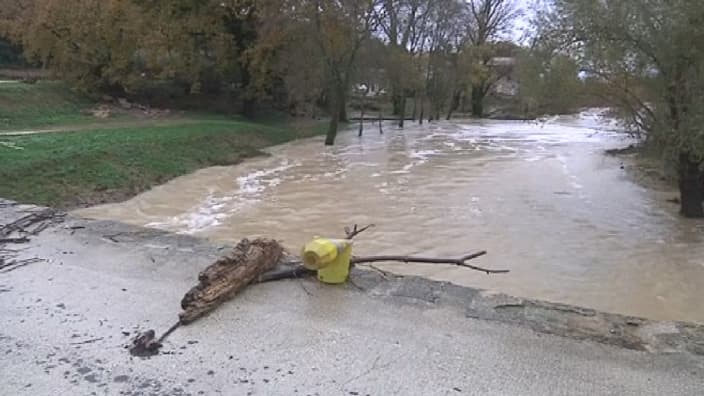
x: 67, y: 318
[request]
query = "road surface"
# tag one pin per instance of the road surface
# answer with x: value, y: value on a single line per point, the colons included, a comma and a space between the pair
x: 66, y: 319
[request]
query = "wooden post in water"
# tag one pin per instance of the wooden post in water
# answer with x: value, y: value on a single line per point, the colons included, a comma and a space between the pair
x: 361, y: 119
x: 381, y: 130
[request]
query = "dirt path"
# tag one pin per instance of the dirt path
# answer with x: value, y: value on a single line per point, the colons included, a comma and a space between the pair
x: 102, y: 125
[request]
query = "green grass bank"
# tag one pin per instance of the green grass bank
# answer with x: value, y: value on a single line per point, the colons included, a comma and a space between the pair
x: 41, y: 105
x: 107, y: 163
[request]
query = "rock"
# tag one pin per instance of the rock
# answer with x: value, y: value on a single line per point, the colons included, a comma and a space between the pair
x: 124, y: 103
x: 145, y: 344
x: 102, y: 112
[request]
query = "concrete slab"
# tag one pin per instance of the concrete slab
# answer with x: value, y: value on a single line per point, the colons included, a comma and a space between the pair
x: 65, y: 321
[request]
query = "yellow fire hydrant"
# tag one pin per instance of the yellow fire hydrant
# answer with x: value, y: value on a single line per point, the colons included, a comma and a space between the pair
x: 330, y: 257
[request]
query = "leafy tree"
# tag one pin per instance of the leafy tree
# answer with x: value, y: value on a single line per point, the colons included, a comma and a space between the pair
x: 328, y: 34
x: 548, y: 82
x: 650, y: 55
x: 80, y: 41
x: 122, y: 45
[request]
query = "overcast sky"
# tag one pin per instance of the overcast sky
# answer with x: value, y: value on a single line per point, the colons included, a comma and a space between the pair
x: 520, y: 25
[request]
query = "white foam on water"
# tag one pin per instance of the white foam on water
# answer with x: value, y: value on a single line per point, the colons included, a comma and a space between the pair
x: 337, y: 173
x: 208, y: 214
x: 256, y: 182
x: 422, y: 155
x: 213, y: 210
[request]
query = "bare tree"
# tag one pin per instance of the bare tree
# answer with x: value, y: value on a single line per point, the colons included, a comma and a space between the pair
x: 443, y: 46
x: 404, y: 24
x: 487, y: 21
x: 649, y: 56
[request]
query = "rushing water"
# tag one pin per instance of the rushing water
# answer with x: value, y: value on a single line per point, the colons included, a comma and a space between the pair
x: 542, y: 198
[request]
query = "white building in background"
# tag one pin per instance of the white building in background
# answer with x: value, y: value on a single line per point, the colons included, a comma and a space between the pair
x: 506, y: 85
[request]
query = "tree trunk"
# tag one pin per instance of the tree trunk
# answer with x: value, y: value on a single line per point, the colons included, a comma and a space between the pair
x: 477, y: 101
x: 381, y: 128
x: 415, y: 107
x: 249, y: 102
x: 454, y: 104
x: 249, y: 106
x: 343, y: 106
x: 337, y: 98
x: 402, y: 114
x: 332, y: 129
x: 691, y: 183
x: 449, y: 114
x: 361, y: 120
x: 396, y: 100
x: 422, y: 110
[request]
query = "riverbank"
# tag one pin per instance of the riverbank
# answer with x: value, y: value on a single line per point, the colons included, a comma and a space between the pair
x: 648, y: 170
x: 83, y: 160
x: 93, y: 284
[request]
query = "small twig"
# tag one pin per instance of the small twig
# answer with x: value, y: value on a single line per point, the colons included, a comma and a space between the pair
x: 300, y: 283
x: 169, y: 331
x: 297, y: 271
x: 11, y: 251
x: 112, y: 238
x: 356, y: 286
x: 40, y: 228
x: 11, y: 268
x: 350, y: 234
x: 43, y: 218
x: 87, y: 342
x: 383, y: 273
x: 461, y: 262
x: 14, y: 240
x: 13, y: 265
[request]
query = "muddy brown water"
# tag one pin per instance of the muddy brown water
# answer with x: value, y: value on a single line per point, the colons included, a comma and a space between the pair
x: 541, y: 197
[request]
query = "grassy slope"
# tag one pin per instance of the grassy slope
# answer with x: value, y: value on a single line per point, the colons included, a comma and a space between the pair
x: 71, y: 169
x: 45, y: 104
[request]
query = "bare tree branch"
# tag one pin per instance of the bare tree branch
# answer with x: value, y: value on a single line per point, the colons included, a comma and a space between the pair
x: 461, y: 262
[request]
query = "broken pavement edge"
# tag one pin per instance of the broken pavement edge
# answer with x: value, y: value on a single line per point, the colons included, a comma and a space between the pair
x: 540, y: 316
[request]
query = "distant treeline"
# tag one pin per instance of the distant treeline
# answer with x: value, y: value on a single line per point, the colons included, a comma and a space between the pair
x: 11, y: 55
x: 434, y: 56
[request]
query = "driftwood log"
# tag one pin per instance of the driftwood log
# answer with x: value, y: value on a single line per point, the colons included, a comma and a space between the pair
x: 230, y: 274
x: 219, y: 282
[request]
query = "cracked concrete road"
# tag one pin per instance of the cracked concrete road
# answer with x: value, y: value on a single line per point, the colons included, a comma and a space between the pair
x: 65, y: 321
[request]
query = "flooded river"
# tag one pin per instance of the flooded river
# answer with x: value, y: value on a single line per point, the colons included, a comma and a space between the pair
x: 541, y: 198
